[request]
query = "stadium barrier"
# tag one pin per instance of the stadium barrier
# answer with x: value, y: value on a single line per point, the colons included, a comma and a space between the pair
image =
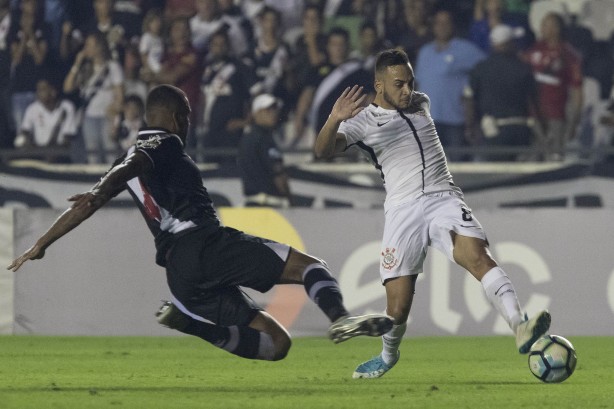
x: 101, y: 279
x: 549, y: 225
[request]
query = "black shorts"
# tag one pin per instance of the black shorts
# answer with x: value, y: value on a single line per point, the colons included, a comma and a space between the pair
x: 204, y: 272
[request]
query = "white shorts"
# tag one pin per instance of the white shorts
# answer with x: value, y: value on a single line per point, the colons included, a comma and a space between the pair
x: 427, y: 221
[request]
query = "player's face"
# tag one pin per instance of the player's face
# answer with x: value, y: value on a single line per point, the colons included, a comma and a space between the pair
x: 396, y: 87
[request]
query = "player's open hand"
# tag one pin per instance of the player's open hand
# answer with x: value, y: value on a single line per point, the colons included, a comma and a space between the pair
x: 33, y: 253
x: 349, y: 103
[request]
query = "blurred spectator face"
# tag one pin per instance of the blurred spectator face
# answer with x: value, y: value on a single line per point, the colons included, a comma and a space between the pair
x: 103, y: 8
x: 179, y: 33
x: 218, y: 47
x: 368, y: 38
x: 46, y: 93
x: 132, y: 61
x: 312, y: 24
x: 551, y: 27
x: 267, y: 117
x: 225, y: 5
x: 29, y: 7
x: 269, y: 22
x: 337, y: 49
x: 414, y: 12
x: 494, y: 7
x: 90, y: 48
x: 206, y: 9
x: 132, y: 111
x: 443, y: 27
x: 155, y: 25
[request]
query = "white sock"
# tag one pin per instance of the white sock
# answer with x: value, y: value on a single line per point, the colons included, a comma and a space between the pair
x: 391, y: 340
x: 501, y: 294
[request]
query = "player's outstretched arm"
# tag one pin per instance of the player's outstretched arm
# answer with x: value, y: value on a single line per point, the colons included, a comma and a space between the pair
x: 86, y: 204
x: 348, y: 105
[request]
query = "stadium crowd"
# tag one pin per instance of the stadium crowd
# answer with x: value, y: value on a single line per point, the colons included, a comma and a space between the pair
x: 74, y: 74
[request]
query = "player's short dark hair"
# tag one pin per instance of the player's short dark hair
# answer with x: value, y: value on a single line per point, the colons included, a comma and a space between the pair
x: 390, y: 57
x: 167, y: 97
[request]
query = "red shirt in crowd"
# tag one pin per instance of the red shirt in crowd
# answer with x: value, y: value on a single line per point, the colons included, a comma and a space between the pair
x: 556, y: 69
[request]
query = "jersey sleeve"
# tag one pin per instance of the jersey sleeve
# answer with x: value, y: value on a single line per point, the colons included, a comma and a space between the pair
x: 353, y: 129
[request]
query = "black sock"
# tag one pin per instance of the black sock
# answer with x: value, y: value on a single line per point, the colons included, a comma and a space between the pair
x: 241, y: 341
x: 214, y: 334
x: 324, y: 290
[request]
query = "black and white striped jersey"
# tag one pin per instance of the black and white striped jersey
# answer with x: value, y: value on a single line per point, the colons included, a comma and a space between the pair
x: 171, y: 196
x: 403, y: 146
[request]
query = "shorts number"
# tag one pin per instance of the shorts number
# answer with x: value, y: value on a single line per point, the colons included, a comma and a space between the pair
x: 466, y: 214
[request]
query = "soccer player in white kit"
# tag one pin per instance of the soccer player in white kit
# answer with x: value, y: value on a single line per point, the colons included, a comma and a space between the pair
x: 423, y: 206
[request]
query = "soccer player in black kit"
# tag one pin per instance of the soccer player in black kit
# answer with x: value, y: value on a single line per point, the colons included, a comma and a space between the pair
x: 206, y: 262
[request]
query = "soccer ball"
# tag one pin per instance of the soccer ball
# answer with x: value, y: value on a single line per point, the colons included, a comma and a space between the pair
x: 552, y: 359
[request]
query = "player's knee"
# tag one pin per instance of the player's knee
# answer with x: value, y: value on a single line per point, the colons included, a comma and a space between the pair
x: 399, y: 312
x: 282, y: 347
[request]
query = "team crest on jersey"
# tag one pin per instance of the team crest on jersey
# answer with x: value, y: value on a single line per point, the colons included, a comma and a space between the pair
x: 152, y: 143
x: 389, y: 261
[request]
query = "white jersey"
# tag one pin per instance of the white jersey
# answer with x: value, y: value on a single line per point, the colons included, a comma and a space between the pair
x: 45, y: 125
x: 404, y: 147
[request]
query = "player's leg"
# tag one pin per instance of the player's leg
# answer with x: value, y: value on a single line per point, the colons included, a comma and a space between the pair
x: 456, y: 232
x: 242, y: 329
x: 404, y: 246
x: 399, y: 295
x: 473, y: 255
x: 323, y: 289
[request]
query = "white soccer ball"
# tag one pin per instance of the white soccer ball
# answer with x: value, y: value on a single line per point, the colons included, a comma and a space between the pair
x: 552, y: 359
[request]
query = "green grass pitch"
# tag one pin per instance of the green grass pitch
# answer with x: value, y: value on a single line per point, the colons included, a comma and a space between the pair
x: 184, y: 372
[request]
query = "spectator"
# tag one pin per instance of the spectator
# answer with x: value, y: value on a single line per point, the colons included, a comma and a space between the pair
x: 7, y: 121
x: 231, y: 10
x: 225, y: 85
x: 151, y: 46
x: 48, y: 122
x: 98, y: 80
x: 490, y: 13
x: 180, y: 64
x: 174, y: 9
x: 369, y: 44
x: 55, y: 13
x: 208, y: 20
x: 503, y: 94
x: 129, y: 15
x: 129, y: 121
x: 71, y: 42
x: 606, y: 134
x: 133, y: 83
x: 270, y: 55
x: 263, y: 175
x: 326, y: 82
x: 415, y: 30
x: 308, y: 50
x: 443, y: 67
x: 105, y: 22
x: 29, y: 48
x: 558, y: 70
x: 290, y: 10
